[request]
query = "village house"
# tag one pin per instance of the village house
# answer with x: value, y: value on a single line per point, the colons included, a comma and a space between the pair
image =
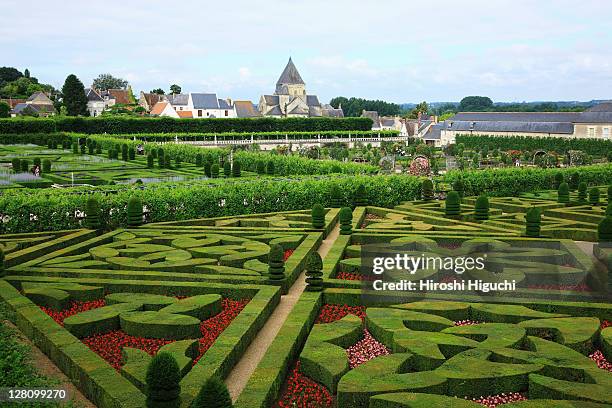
x: 37, y: 104
x: 95, y: 102
x: 148, y: 100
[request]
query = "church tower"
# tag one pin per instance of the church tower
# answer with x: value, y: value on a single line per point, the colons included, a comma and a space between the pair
x: 290, y: 82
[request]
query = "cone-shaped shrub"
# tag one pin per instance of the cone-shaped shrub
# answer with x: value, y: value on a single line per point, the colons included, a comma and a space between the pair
x: 236, y: 169
x: 134, y: 209
x: 214, y: 171
x: 16, y: 165
x: 609, y: 193
x: 46, y: 166
x: 261, y: 167
x: 604, y: 229
x: 481, y: 208
x: 227, y: 169
x: 25, y: 166
x: 346, y: 221
x: 574, y: 180
x: 270, y: 168
x: 124, y: 152
x: 167, y: 161
x: 314, y: 266
x: 91, y: 148
x: 111, y: 154
x: 360, y: 197
x: 582, y: 192
x: 150, y: 161
x: 559, y: 178
x: 207, y: 168
x: 163, y: 382
x: 160, y: 159
x: 37, y: 161
x: 318, y: 216
x: 98, y: 149
x: 1, y: 262
x: 132, y: 153
x: 453, y: 204
x: 427, y: 190
x: 459, y: 187
x: 594, y: 196
x: 563, y: 193
x: 213, y: 394
x: 75, y: 148
x: 276, y: 263
x: 92, y: 209
x: 533, y: 219
x: 199, y: 160
x: 336, y: 196
x: 609, y: 209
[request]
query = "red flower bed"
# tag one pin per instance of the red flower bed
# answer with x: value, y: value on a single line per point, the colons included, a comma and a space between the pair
x: 466, y: 322
x: 287, y: 254
x: 331, y: 313
x: 365, y: 350
x: 303, y: 392
x: 601, y: 361
x: 74, y: 308
x: 493, y: 401
x: 353, y: 276
x: 605, y: 323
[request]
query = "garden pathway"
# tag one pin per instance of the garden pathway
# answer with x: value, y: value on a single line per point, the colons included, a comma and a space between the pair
x: 242, y: 371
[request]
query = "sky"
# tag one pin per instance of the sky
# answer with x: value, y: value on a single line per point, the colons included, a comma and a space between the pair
x: 398, y: 51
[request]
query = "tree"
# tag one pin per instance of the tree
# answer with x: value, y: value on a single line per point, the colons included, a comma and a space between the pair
x: 354, y: 107
x: 261, y: 167
x: 475, y: 104
x: 105, y: 82
x: 318, y: 216
x: 453, y: 204
x: 158, y: 91
x: 559, y: 178
x: 74, y: 100
x: 131, y: 97
x: 46, y: 166
x: 163, y: 382
x: 175, y: 89
x: 314, y: 265
x: 207, y: 169
x: 26, y: 73
x: 346, y: 221
x: 213, y: 394
x: 5, y: 110
x: 276, y: 263
x: 9, y: 74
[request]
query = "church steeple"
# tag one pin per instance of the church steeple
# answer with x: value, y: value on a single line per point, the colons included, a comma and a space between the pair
x: 290, y: 81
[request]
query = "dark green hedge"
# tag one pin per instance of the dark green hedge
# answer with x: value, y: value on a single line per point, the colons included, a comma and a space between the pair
x: 595, y: 147
x: 117, y: 125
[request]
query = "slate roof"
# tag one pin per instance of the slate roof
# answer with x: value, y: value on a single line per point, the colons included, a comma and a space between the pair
x: 204, y: 101
x: 374, y: 116
x: 298, y: 110
x: 223, y: 104
x: 595, y: 117
x: 178, y: 99
x: 388, y: 122
x: 312, y: 100
x: 602, y: 107
x: 509, y: 126
x: 271, y: 100
x: 275, y: 111
x: 12, y: 102
x: 42, y: 98
x: 517, y: 116
x: 290, y: 75
x: 246, y: 109
x: 434, y: 132
x: 93, y: 95
x: 38, y: 108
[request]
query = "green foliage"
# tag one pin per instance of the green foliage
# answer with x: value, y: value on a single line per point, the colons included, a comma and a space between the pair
x: 227, y: 169
x: 163, y: 381
x: 582, y: 192
x: 105, y: 82
x: 563, y: 193
x: 236, y: 169
x: 533, y: 219
x: 207, y: 169
x: 261, y: 167
x: 214, y: 171
x: 318, y: 216
x: 360, y: 197
x: 150, y: 161
x: 427, y: 190
x: 131, y: 153
x: 25, y: 166
x: 453, y: 204
x: 574, y: 180
x: 2, y: 266
x: 199, y: 160
x: 134, y: 210
x: 354, y: 107
x: 276, y: 263
x: 46, y: 166
x: 93, y: 220
x: 459, y: 187
x: 481, y: 208
x: 167, y: 162
x: 604, y: 229
x: 314, y: 266
x: 74, y: 98
x: 559, y: 178
x: 213, y: 394
x: 594, y: 196
x: 609, y: 209
x: 346, y: 220
x: 16, y: 164
x: 336, y: 198
x: 5, y: 110
x: 270, y: 168
x: 594, y: 147
x: 475, y: 104
x: 124, y: 152
x: 75, y: 148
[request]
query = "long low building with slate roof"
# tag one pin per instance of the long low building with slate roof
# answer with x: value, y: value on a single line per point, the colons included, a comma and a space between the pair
x: 594, y: 123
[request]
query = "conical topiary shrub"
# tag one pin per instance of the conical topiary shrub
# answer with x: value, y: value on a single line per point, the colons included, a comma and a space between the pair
x: 427, y: 190
x: 199, y: 160
x: 46, y: 166
x: 318, y: 216
x: 574, y: 180
x: 609, y: 209
x: 124, y: 152
x: 582, y: 192
x: 150, y: 161
x: 276, y: 263
x: 2, y: 262
x: 92, y: 209
x: 604, y: 229
x: 559, y: 178
x: 270, y: 168
x: 459, y: 187
x: 563, y: 195
x: 207, y: 167
x: 314, y: 266
x: 227, y: 169
x: 25, y: 165
x: 261, y: 167
x: 214, y: 171
x: 213, y: 394
x: 609, y: 193
x: 163, y: 380
x: 134, y: 209
x: 346, y: 221
x: 481, y: 208
x: 453, y: 204
x: 594, y: 196
x: 360, y: 197
x: 167, y: 161
x: 16, y: 164
x: 236, y: 169
x: 533, y: 219
x: 132, y: 153
x: 336, y: 196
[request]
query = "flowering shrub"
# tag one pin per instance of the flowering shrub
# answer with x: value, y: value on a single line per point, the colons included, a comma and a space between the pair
x: 331, y: 313
x: 365, y: 350
x: 419, y: 167
x: 302, y: 392
x: 601, y: 361
x: 493, y: 401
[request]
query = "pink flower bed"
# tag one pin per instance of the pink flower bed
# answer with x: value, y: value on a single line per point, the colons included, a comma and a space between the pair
x: 365, y: 350
x: 601, y: 361
x: 493, y: 401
